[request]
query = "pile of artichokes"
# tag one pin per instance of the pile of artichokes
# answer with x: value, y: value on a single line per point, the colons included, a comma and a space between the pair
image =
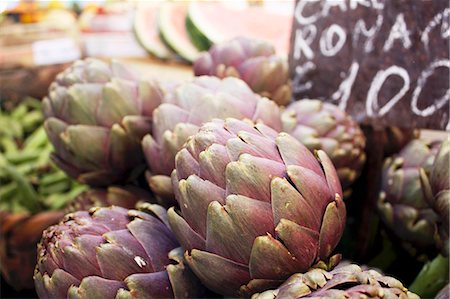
x: 220, y: 186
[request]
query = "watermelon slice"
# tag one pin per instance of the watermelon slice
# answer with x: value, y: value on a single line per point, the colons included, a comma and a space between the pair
x: 212, y: 22
x: 172, y: 29
x: 146, y: 30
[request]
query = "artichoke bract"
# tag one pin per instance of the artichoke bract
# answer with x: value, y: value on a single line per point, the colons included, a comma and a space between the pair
x: 187, y: 107
x: 125, y: 196
x: 324, y: 126
x: 402, y: 204
x: 251, y: 60
x: 113, y: 253
x: 96, y: 115
x: 348, y: 281
x: 256, y: 206
x: 444, y: 293
x: 437, y: 194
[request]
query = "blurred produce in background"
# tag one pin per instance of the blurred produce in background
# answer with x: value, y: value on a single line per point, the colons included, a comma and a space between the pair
x: 135, y: 68
x: 33, y: 190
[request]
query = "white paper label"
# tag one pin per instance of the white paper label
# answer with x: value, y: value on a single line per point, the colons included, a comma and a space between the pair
x: 55, y: 51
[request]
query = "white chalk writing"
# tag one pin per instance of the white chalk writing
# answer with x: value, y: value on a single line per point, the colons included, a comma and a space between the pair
x: 445, y: 28
x: 300, y: 18
x: 326, y: 41
x: 300, y: 72
x: 360, y: 28
x: 398, y: 31
x: 437, y: 103
x: 355, y: 3
x: 345, y: 88
x: 303, y: 39
x: 372, y: 107
x: 377, y: 5
x: 398, y: 58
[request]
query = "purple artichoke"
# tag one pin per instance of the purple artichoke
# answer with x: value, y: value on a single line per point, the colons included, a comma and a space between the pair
x: 402, y: 204
x: 251, y: 60
x: 444, y: 293
x: 113, y: 253
x: 349, y: 281
x: 97, y: 114
x: 437, y: 194
x: 126, y: 197
x: 256, y: 206
x: 186, y: 108
x: 324, y: 126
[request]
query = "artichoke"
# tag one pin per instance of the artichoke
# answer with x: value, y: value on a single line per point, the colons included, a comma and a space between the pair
x: 395, y: 139
x: 113, y: 253
x: 437, y: 194
x: 19, y: 235
x: 348, y: 281
x: 126, y: 197
x: 444, y: 293
x: 187, y: 107
x: 256, y: 206
x: 96, y: 115
x: 401, y: 202
x: 251, y: 60
x: 324, y: 126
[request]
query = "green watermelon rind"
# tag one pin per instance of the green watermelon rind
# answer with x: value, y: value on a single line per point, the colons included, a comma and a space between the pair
x: 197, y: 37
x: 205, y: 30
x: 167, y: 36
x: 139, y: 33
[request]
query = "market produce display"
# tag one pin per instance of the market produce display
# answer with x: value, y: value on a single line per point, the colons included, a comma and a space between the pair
x: 32, y: 190
x: 251, y: 60
x: 324, y: 126
x: 185, y: 108
x: 347, y: 281
x: 402, y: 204
x: 249, y: 195
x: 177, y: 29
x: 113, y: 252
x: 202, y: 176
x: 437, y: 194
x: 106, y: 107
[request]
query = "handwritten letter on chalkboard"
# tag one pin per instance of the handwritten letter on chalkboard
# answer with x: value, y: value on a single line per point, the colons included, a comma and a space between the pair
x: 385, y: 62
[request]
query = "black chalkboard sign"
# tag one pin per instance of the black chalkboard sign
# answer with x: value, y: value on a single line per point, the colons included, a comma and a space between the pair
x: 386, y: 62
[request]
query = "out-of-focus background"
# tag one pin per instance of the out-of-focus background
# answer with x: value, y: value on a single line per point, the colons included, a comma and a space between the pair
x: 40, y: 38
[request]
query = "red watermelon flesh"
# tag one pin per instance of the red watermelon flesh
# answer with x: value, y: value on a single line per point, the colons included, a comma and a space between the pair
x: 172, y: 26
x: 220, y: 22
x: 146, y: 29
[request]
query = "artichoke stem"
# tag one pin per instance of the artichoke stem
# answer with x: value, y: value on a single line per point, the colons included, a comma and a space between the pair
x: 433, y: 277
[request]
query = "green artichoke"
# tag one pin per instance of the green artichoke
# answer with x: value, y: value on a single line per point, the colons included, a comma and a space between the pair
x: 256, y: 206
x: 188, y: 106
x: 97, y: 114
x: 251, y: 60
x: 324, y: 126
x: 349, y: 281
x: 437, y: 194
x: 401, y: 202
x: 113, y: 253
